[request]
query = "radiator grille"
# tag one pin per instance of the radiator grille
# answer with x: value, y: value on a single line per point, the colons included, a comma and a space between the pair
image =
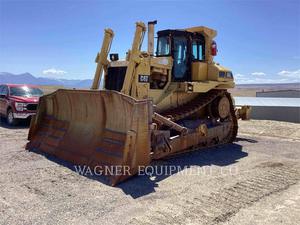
x: 115, y: 78
x: 31, y: 107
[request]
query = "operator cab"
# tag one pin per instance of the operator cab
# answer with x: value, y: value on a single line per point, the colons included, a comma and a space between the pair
x: 184, y: 47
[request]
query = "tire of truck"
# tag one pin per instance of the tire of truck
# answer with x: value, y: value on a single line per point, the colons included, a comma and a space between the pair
x: 11, y: 121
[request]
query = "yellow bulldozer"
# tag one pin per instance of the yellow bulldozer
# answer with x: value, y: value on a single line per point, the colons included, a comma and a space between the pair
x: 151, y: 105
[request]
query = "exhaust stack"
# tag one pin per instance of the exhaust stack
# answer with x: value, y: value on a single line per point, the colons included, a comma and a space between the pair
x: 151, y: 37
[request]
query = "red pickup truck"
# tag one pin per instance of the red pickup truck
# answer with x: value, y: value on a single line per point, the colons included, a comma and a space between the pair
x: 18, y: 101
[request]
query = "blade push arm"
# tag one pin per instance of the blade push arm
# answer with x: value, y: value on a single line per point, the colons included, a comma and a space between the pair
x: 134, y: 57
x: 101, y: 58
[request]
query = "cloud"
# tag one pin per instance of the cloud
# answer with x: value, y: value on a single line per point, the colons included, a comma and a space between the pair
x: 258, y: 74
x: 238, y: 75
x: 257, y: 80
x: 54, y: 71
x: 284, y: 76
x: 291, y: 74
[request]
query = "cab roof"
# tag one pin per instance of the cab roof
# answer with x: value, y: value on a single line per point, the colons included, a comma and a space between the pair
x: 205, y: 31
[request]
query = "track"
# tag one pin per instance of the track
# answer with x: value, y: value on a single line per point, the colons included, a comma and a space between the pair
x: 234, y: 129
x: 200, y: 102
x: 193, y: 106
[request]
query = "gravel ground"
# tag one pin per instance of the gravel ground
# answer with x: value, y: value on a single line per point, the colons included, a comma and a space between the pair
x: 253, y: 181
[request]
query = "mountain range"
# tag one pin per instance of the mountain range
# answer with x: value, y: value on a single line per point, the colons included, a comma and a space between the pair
x: 27, y: 78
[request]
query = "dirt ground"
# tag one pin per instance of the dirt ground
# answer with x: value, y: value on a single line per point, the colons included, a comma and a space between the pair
x: 253, y: 181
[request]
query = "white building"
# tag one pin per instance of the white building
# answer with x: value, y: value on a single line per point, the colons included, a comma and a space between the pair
x: 272, y: 108
x: 279, y: 94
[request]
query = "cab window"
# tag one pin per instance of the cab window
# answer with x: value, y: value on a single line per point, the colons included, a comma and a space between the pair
x: 3, y: 90
x: 197, y: 50
x: 163, y: 46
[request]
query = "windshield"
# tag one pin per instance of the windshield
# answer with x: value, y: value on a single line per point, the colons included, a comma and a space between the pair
x: 25, y: 91
x: 163, y: 46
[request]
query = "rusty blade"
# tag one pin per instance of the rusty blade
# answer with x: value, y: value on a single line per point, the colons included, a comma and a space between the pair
x: 94, y: 128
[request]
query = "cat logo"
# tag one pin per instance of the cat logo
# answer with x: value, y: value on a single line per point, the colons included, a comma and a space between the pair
x: 143, y: 78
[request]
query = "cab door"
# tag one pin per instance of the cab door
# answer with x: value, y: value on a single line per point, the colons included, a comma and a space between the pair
x: 181, y: 61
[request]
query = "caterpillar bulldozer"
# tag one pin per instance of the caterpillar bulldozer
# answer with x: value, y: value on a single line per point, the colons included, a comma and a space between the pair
x: 152, y: 105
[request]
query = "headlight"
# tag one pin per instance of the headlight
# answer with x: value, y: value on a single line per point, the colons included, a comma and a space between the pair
x: 222, y: 74
x: 229, y: 75
x: 20, y: 106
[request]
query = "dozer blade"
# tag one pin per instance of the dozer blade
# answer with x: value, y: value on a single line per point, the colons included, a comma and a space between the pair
x: 99, y: 129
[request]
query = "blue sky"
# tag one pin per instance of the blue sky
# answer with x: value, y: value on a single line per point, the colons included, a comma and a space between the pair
x: 258, y: 40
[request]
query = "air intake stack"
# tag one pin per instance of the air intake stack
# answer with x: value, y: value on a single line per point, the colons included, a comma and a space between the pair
x: 151, y: 37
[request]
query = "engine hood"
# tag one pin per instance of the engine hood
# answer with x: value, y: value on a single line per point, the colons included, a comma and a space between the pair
x: 25, y: 99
